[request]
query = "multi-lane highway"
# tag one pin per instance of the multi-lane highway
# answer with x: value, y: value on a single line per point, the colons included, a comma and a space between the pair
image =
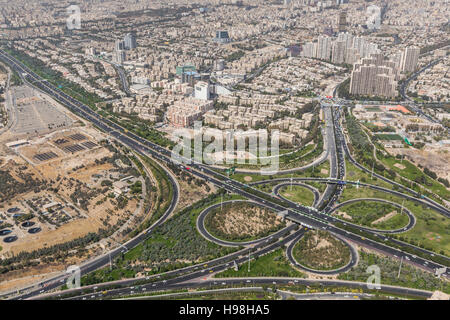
x: 305, y: 216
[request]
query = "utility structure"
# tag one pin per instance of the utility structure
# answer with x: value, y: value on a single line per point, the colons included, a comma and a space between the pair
x: 230, y: 171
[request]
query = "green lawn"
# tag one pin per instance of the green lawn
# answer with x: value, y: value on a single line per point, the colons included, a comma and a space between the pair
x: 387, y: 136
x: 274, y: 264
x: 396, y: 222
x: 353, y: 173
x: 412, y: 172
x: 432, y: 230
x: 365, y: 213
x: 298, y: 194
x: 410, y: 276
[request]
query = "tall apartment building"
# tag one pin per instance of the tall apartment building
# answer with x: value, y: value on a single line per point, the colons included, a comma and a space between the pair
x: 342, y: 21
x: 352, y: 56
x: 130, y: 41
x: 344, y: 49
x: 374, y: 76
x: 323, y: 48
x: 201, y: 90
x: 347, y: 38
x: 409, y: 59
x: 119, y: 56
x: 339, y: 52
x: 119, y: 45
x: 309, y: 50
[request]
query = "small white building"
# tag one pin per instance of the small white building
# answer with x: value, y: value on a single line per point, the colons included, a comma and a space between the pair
x: 120, y: 187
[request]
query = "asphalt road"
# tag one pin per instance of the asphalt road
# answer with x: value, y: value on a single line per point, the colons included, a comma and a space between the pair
x: 333, y: 219
x: 306, y: 217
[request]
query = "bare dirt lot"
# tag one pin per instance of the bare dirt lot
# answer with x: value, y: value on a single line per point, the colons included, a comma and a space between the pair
x: 48, y: 201
x: 436, y: 160
x: 63, y: 177
x: 385, y: 218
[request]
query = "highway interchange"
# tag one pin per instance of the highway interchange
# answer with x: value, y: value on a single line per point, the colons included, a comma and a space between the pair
x: 303, y: 217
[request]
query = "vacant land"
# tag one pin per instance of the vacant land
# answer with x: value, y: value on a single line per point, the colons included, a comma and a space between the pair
x: 319, y: 250
x: 413, y: 173
x: 72, y: 201
x: 435, y: 159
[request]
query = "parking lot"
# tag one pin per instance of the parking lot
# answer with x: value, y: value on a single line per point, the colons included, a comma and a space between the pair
x: 35, y: 115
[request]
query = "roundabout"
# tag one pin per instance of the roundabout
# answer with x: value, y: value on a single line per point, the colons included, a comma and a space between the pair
x: 34, y: 230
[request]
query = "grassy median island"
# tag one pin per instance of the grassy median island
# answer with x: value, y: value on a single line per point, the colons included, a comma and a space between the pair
x: 353, y: 173
x: 274, y: 264
x: 431, y: 230
x: 242, y: 221
x: 372, y: 214
x: 319, y: 250
x: 298, y: 194
x: 410, y: 276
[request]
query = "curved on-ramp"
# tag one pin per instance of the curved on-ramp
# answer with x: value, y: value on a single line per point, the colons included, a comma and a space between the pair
x: 316, y: 192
